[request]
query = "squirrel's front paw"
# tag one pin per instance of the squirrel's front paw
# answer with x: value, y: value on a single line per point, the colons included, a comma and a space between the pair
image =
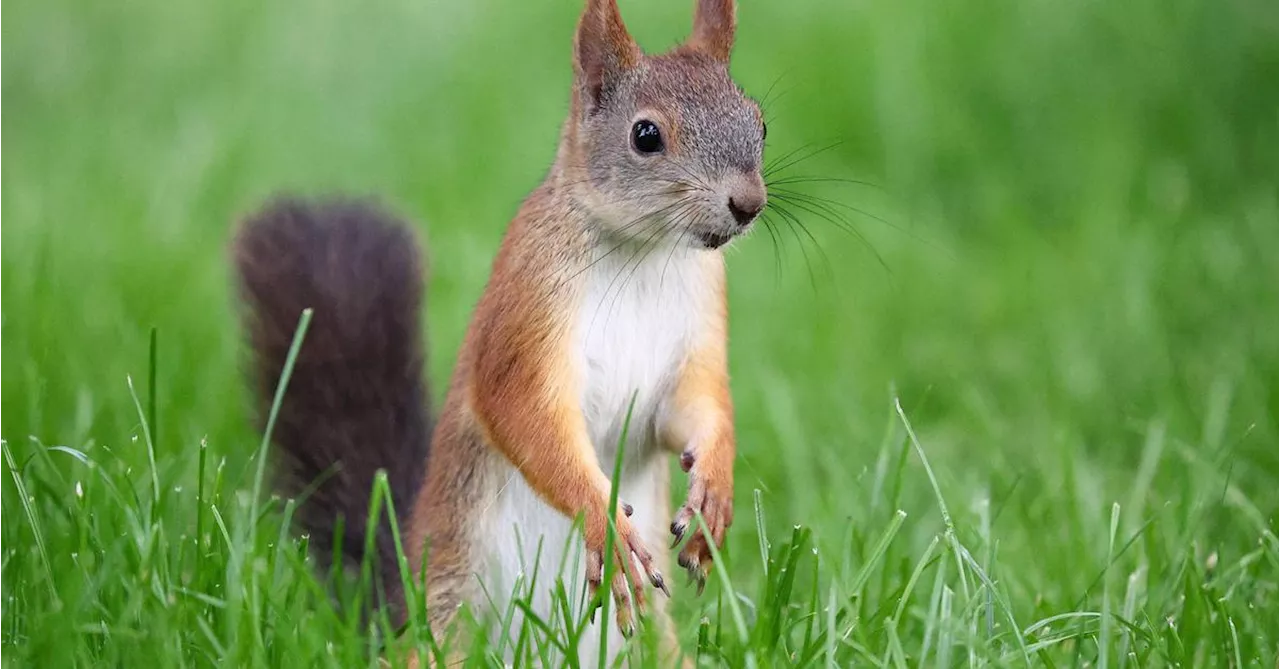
x: 627, y: 585
x: 711, y: 494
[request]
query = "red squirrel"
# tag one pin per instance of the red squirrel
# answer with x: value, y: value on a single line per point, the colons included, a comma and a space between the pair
x: 607, y: 294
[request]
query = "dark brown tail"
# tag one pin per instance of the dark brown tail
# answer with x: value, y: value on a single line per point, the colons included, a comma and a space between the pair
x: 356, y: 401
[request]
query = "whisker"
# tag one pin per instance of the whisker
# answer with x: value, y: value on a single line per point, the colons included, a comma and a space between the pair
x: 697, y: 179
x: 765, y: 100
x: 681, y: 187
x: 835, y: 219
x: 684, y: 187
x: 680, y: 240
x: 768, y: 224
x: 624, y: 238
x: 825, y: 207
x: 774, y: 169
x: 789, y: 217
x: 828, y: 206
x: 639, y: 249
x: 645, y: 248
x: 769, y: 166
x: 816, y: 245
x: 830, y: 203
x: 784, y: 181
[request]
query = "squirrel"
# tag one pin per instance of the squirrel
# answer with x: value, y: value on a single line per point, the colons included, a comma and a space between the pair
x: 606, y: 300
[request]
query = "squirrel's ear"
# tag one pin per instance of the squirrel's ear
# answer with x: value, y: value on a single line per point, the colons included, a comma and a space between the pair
x: 602, y: 49
x: 713, y: 26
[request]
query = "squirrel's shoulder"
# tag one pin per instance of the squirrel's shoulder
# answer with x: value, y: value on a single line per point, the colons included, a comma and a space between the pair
x: 545, y: 240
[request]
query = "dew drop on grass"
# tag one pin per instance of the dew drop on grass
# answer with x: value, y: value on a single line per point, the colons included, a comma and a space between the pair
x: 79, y: 490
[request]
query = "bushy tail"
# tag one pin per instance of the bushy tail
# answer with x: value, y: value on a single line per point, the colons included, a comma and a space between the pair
x: 356, y: 401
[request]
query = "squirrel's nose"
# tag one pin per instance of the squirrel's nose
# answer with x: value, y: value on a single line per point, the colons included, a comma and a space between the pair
x: 745, y: 207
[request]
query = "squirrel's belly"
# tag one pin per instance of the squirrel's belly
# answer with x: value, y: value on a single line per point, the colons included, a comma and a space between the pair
x: 530, y: 548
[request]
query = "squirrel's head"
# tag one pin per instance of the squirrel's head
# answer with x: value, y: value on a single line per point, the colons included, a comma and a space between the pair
x: 665, y: 146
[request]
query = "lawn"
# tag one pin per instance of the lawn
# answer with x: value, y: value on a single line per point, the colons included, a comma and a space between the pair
x: 1012, y: 400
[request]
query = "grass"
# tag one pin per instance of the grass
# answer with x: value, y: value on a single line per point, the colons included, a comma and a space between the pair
x: 1027, y: 415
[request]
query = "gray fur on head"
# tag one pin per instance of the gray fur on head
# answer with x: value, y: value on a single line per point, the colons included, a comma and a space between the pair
x: 703, y: 187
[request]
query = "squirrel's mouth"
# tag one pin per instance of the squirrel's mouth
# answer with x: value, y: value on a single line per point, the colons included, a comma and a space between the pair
x: 714, y: 240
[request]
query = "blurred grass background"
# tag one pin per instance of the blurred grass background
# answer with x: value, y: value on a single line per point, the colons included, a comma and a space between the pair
x: 1073, y: 289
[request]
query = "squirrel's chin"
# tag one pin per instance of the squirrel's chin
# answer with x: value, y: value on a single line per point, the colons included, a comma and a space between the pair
x: 714, y: 240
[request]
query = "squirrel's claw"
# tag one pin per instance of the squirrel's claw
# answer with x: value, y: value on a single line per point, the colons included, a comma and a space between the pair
x: 627, y: 585
x: 658, y: 582
x: 715, y: 504
x: 677, y: 531
x: 694, y: 564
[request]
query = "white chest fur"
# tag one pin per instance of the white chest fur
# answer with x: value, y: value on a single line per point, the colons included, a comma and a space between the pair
x: 636, y: 323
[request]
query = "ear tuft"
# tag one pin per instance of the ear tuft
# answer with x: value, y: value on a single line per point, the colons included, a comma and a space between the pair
x: 714, y: 22
x: 603, y: 49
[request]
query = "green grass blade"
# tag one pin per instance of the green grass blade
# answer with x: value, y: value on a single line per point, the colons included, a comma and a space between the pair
x: 151, y: 450
x: 25, y: 499
x: 289, y: 361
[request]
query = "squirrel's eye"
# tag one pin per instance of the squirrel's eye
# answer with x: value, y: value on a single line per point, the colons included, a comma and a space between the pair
x: 645, y: 137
